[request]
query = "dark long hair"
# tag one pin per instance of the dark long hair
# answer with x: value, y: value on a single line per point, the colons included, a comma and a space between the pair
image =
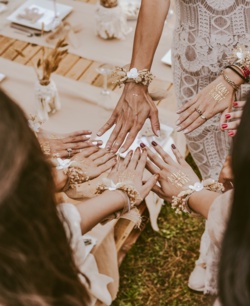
x: 36, y: 263
x: 234, y: 272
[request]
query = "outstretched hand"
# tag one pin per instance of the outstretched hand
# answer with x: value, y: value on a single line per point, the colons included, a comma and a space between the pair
x: 131, y: 170
x: 174, y: 176
x: 60, y: 143
x: 133, y: 108
x: 95, y: 161
x: 204, y: 105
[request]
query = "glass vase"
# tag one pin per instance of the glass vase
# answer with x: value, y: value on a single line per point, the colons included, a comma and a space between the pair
x: 47, y: 98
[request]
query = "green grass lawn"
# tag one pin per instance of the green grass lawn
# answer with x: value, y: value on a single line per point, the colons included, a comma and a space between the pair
x: 155, y: 271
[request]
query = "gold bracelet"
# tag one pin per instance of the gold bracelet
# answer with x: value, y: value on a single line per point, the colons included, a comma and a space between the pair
x: 76, y: 176
x: 180, y: 202
x: 132, y: 193
x: 143, y: 77
x: 229, y: 81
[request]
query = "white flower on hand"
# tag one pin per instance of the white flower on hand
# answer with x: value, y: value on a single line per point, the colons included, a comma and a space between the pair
x: 198, y: 186
x: 132, y: 73
x: 62, y: 163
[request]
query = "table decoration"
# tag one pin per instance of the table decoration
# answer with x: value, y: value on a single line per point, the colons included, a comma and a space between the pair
x: 46, y: 94
x: 111, y: 20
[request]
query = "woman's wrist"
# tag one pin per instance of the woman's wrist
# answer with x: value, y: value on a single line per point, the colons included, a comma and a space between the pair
x: 234, y: 77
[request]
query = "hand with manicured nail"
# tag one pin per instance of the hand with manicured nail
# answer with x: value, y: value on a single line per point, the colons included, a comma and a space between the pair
x: 132, y: 110
x: 59, y: 143
x: 131, y: 170
x: 204, y: 106
x: 95, y: 161
x: 174, y: 176
x: 230, y: 120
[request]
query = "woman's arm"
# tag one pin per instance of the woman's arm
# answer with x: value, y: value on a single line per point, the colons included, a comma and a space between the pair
x: 126, y: 173
x: 135, y: 104
x: 201, y: 201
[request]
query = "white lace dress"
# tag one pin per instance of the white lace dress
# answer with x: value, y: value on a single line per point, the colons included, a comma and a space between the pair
x: 206, y: 31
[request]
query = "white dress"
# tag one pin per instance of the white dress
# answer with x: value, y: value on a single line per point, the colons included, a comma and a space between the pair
x: 206, y: 32
x: 87, y: 265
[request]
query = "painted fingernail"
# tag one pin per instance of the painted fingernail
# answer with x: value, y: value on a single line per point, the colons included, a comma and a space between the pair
x: 142, y: 145
x: 154, y: 143
x: 86, y: 136
x: 235, y: 104
x: 230, y: 133
x: 173, y: 146
x: 94, y: 143
x: 224, y: 125
x: 227, y: 116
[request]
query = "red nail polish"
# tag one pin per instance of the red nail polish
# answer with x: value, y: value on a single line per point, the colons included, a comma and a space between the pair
x: 173, y: 146
x: 154, y: 143
x: 235, y: 104
x: 224, y: 125
x: 230, y: 133
x: 142, y: 145
x: 228, y: 116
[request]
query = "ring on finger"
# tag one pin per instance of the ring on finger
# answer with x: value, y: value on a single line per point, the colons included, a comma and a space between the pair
x: 203, y: 117
x: 198, y: 111
x: 69, y: 150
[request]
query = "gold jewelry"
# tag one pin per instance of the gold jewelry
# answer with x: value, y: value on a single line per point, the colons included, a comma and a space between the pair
x: 229, y: 81
x: 132, y: 193
x: 45, y: 146
x: 179, y: 179
x: 203, y: 117
x: 180, y: 202
x: 143, y: 77
x: 109, y: 3
x: 198, y: 111
x: 76, y: 175
x: 219, y: 92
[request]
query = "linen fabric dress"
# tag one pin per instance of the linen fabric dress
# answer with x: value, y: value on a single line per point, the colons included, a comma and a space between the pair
x: 206, y: 32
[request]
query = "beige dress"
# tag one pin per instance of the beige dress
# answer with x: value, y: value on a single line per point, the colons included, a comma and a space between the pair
x: 206, y: 31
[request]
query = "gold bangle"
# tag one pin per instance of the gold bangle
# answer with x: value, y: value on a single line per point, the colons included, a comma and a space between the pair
x: 229, y: 81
